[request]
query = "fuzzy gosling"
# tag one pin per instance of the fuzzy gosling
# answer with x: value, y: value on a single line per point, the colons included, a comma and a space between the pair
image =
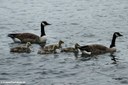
x: 71, y: 49
x: 51, y: 48
x: 48, y: 51
x: 22, y: 49
x: 58, y: 45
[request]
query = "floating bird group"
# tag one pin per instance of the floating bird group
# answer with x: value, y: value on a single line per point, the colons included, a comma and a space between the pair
x: 30, y: 38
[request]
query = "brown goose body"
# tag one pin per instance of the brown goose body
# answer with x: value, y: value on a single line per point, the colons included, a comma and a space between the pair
x: 22, y: 49
x: 27, y: 37
x: 30, y: 37
x: 96, y: 49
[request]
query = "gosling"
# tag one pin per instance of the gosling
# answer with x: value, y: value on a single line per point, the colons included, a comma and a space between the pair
x: 71, y: 49
x: 22, y: 49
x: 48, y: 51
x: 51, y: 48
x: 58, y: 45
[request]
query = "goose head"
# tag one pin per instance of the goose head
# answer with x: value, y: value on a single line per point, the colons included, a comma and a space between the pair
x: 44, y: 23
x: 60, y: 42
x: 28, y: 44
x: 117, y: 34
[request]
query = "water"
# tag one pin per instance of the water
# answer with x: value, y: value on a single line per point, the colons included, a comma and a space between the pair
x: 73, y: 21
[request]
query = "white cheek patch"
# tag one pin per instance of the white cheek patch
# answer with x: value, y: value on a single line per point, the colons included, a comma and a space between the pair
x: 117, y: 35
x: 43, y: 24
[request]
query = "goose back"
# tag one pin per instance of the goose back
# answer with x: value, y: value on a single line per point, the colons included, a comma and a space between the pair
x: 95, y: 49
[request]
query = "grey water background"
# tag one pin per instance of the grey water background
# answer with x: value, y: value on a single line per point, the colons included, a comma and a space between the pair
x: 73, y: 21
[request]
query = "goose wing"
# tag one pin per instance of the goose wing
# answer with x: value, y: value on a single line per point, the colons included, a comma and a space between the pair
x: 94, y: 49
x: 100, y: 47
x: 25, y: 37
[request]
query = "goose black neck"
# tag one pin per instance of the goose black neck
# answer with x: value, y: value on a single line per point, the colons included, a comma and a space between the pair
x: 113, y: 41
x: 42, y: 30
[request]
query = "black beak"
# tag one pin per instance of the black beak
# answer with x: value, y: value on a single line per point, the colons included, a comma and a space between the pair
x: 120, y: 35
x: 48, y: 24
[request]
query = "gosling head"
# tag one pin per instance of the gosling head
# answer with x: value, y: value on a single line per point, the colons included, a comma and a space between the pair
x: 77, y: 45
x: 61, y: 42
x: 28, y: 44
x: 44, y: 23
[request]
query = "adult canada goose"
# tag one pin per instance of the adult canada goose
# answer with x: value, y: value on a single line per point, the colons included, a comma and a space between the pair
x: 71, y: 49
x: 30, y: 37
x: 52, y: 47
x: 48, y: 51
x: 22, y: 49
x: 96, y: 49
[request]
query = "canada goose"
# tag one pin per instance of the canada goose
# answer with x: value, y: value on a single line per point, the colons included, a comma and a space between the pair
x: 22, y: 49
x: 71, y: 49
x: 30, y: 37
x: 96, y: 49
x: 52, y: 47
x: 48, y: 51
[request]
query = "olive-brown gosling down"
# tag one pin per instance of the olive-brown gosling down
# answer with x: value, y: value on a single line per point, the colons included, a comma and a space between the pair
x: 48, y: 51
x: 71, y: 49
x: 51, y: 48
x: 22, y: 49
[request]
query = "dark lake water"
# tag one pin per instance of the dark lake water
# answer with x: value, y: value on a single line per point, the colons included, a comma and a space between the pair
x: 73, y: 21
